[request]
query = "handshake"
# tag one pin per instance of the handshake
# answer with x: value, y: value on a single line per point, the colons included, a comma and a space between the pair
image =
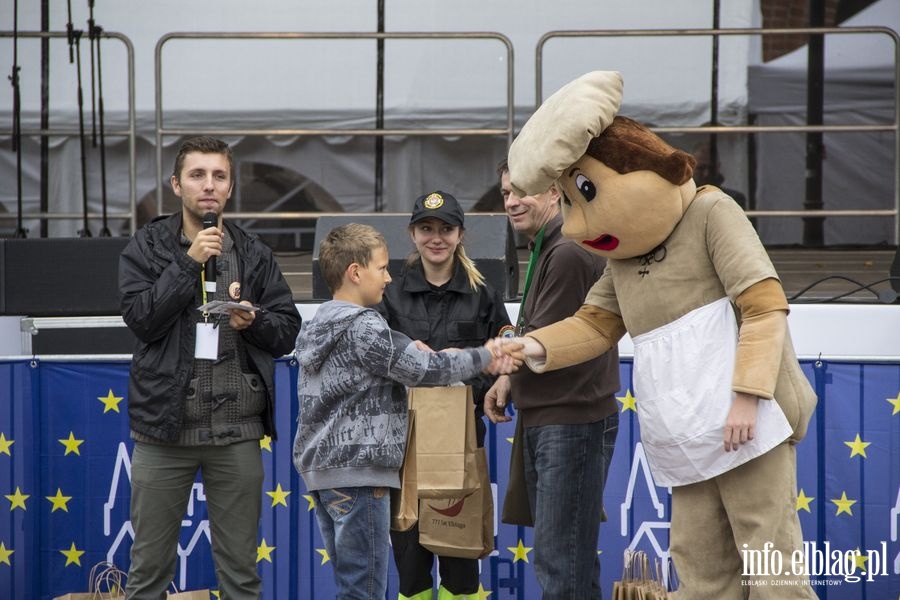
x: 509, y: 353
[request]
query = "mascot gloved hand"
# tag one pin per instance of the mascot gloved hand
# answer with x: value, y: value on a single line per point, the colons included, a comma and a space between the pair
x: 720, y: 395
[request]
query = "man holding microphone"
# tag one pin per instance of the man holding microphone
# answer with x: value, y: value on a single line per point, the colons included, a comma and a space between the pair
x: 201, y: 388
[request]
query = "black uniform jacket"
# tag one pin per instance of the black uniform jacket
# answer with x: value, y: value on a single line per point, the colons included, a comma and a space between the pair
x: 159, y: 287
x: 452, y: 316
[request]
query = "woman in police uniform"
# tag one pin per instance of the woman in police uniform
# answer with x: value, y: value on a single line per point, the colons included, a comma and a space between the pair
x: 442, y: 300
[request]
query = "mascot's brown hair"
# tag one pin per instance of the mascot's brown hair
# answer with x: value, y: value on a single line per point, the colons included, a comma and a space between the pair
x: 627, y: 146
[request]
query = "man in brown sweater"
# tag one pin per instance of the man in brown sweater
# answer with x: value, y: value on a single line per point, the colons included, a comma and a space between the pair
x: 568, y: 419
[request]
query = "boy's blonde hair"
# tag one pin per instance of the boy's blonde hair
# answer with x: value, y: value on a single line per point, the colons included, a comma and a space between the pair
x: 345, y: 245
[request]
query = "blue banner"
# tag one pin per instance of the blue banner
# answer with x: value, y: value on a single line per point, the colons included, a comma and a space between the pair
x: 65, y: 484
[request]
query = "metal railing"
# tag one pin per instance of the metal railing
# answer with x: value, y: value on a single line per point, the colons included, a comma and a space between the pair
x: 161, y: 131
x: 128, y: 132
x: 890, y: 127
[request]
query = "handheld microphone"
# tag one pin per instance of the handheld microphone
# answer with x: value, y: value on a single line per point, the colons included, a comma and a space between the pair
x: 210, y: 219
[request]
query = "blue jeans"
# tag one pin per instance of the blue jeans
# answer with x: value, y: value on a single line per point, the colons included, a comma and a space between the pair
x: 355, y: 524
x: 565, y: 471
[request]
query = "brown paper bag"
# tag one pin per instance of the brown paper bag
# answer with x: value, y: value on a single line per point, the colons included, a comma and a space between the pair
x: 120, y: 595
x: 462, y: 527
x: 445, y: 441
x: 516, y: 505
x: 105, y: 582
x: 174, y: 594
x: 112, y: 595
x: 638, y: 580
x: 487, y: 504
x: 628, y: 587
x: 405, y: 501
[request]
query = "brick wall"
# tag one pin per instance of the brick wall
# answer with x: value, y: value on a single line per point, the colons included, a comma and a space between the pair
x: 778, y: 14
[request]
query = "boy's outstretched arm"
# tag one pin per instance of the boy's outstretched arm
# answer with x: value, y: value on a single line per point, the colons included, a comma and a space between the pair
x: 391, y: 354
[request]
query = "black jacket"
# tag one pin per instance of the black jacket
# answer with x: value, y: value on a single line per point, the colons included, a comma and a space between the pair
x: 158, y: 290
x: 455, y: 316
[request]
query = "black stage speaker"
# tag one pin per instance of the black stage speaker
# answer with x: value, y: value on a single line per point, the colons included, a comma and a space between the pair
x: 83, y: 340
x: 60, y: 277
x: 489, y: 241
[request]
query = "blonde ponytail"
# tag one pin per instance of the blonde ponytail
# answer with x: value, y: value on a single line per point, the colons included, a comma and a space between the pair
x: 412, y: 260
x: 476, y: 279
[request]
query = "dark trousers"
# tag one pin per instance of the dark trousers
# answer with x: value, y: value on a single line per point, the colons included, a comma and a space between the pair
x: 415, y: 563
x: 161, y: 481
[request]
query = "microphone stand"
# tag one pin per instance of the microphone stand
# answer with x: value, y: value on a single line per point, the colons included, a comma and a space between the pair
x: 17, y: 121
x: 91, y: 39
x: 96, y: 31
x: 70, y: 33
x: 74, y: 38
x: 85, y: 231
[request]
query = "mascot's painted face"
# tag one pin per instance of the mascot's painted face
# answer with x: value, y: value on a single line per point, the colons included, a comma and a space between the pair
x: 620, y: 216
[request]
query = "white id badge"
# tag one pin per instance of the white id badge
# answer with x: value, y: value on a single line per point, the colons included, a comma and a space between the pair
x: 207, y: 344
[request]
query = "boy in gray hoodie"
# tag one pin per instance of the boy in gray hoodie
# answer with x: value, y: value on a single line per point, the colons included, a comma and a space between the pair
x: 353, y: 409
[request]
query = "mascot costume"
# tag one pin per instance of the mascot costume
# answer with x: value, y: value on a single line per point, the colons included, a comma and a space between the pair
x: 720, y: 395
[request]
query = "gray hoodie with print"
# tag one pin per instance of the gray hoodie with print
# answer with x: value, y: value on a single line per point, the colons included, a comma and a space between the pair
x: 351, y: 430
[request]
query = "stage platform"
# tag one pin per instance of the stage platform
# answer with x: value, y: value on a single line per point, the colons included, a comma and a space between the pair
x: 798, y: 269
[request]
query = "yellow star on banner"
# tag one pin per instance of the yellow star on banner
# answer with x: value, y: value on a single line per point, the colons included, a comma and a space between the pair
x: 279, y: 496
x: 266, y: 443
x: 844, y: 504
x: 483, y: 593
x: 264, y: 552
x: 860, y: 560
x: 110, y: 402
x: 627, y: 401
x: 59, y: 501
x: 894, y: 401
x: 324, y: 553
x: 803, y: 501
x: 311, y: 501
x: 71, y: 444
x: 5, y: 554
x: 520, y: 552
x: 5, y: 444
x: 17, y: 500
x: 858, y: 447
x: 73, y: 555
x: 510, y: 440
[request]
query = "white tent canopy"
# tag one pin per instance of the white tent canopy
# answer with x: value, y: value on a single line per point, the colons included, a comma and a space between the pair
x: 325, y: 83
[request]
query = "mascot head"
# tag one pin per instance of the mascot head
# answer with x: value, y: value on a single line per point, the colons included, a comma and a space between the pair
x: 625, y: 189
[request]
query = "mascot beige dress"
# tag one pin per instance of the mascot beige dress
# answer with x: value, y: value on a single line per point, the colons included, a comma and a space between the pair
x: 720, y: 395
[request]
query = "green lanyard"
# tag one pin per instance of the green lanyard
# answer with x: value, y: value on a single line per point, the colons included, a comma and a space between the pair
x: 532, y: 260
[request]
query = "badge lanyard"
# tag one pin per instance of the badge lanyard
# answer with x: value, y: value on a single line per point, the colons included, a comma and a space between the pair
x: 203, y: 292
x: 206, y: 342
x: 532, y: 260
